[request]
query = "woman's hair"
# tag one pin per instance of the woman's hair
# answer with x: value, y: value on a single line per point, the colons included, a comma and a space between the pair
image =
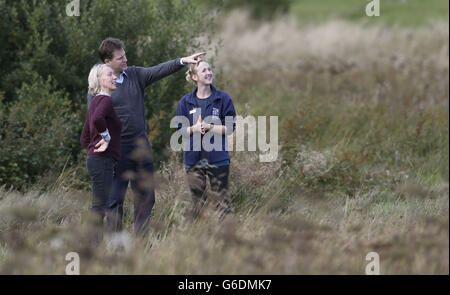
x: 192, y: 70
x: 94, y: 78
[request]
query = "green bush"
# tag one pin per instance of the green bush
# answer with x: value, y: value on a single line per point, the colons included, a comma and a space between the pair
x: 46, y: 57
x: 38, y: 133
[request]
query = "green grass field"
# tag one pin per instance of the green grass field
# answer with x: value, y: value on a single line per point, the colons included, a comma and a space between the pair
x: 392, y: 12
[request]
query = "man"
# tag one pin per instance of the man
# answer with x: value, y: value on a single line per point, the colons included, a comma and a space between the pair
x: 128, y: 101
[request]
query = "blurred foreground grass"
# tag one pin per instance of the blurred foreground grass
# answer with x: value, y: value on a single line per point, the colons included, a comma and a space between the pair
x: 274, y: 231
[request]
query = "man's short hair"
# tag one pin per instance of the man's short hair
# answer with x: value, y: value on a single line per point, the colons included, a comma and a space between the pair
x: 108, y: 46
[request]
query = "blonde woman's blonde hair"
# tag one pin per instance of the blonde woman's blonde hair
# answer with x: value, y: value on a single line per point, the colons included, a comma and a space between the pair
x: 94, y: 78
x: 192, y: 70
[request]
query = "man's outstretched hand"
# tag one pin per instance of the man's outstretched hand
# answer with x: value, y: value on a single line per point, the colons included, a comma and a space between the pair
x: 193, y: 59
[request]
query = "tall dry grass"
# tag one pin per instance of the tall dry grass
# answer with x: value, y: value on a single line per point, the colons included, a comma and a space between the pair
x: 308, y: 233
x: 363, y: 167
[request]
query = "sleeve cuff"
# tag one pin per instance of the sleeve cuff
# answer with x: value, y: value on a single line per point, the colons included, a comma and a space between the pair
x: 105, y: 135
x: 181, y: 61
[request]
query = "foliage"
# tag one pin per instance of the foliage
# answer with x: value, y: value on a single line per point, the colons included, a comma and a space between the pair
x: 40, y: 42
x: 38, y: 133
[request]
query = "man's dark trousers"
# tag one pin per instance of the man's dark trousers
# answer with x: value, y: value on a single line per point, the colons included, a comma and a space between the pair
x: 135, y: 166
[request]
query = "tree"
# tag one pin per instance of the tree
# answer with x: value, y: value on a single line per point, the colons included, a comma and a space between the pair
x: 46, y: 56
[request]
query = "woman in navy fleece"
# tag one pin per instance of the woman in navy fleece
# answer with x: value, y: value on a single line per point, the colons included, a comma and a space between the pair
x: 206, y: 108
x: 101, y: 137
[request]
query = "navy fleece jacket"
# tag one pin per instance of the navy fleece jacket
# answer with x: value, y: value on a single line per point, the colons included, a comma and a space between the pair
x: 219, y: 107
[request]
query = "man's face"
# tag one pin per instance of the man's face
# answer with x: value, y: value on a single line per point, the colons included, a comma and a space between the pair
x: 119, y: 61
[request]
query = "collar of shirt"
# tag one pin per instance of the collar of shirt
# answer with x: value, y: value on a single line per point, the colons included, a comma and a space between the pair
x: 120, y: 79
x: 104, y: 93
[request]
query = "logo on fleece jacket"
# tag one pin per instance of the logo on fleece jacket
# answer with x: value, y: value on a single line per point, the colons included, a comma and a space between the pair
x: 215, y: 113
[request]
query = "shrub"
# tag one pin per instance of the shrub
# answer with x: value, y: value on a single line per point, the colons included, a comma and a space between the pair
x: 38, y: 133
x: 46, y: 57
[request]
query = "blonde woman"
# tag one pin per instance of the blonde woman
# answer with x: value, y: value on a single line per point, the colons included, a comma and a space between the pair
x: 203, y: 106
x: 101, y: 137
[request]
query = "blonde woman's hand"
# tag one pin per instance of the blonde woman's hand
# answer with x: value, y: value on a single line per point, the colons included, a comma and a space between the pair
x: 101, y: 146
